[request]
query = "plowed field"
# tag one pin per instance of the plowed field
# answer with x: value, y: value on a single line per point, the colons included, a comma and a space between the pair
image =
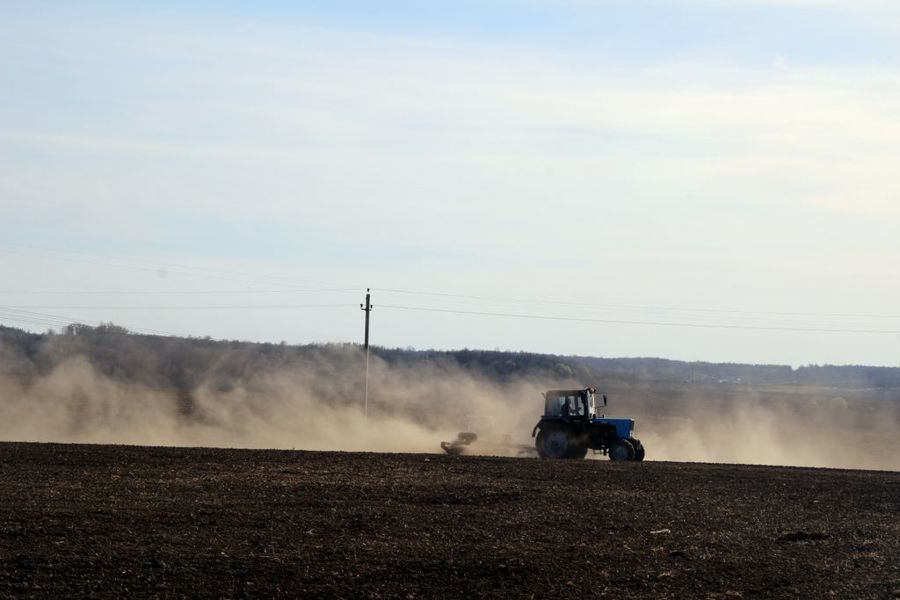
x: 113, y: 521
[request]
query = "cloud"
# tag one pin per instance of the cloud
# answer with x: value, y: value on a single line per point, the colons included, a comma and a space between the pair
x: 433, y: 133
x: 659, y: 178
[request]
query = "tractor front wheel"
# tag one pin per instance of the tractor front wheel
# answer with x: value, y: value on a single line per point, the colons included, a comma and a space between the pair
x: 638, y: 451
x: 621, y: 450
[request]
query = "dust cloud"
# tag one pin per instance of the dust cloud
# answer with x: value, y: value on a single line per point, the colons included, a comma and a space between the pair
x: 414, y: 407
x: 812, y: 430
x: 409, y: 410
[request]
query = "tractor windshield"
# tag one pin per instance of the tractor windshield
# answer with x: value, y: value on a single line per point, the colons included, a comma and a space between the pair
x: 569, y: 403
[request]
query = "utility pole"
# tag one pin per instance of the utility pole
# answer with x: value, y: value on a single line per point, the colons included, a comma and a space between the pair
x: 368, y: 308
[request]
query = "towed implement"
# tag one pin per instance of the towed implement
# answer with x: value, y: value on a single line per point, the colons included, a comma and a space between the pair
x: 463, y: 440
x: 487, y: 442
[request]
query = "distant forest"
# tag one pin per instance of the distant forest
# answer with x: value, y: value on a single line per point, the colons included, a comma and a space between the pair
x: 184, y: 363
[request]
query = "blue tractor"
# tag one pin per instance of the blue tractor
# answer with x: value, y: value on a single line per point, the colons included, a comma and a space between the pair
x: 570, y: 427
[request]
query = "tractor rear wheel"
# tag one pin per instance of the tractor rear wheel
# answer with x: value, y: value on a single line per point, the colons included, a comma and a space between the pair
x: 621, y: 450
x: 553, y: 443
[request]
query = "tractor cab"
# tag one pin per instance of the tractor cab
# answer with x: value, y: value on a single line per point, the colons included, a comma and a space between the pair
x: 577, y: 404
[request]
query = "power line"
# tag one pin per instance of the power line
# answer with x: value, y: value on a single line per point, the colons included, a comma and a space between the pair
x: 641, y: 307
x: 634, y: 322
x: 410, y: 292
x: 169, y: 293
x: 156, y: 266
x: 31, y: 321
x: 22, y: 316
x: 183, y: 307
x: 339, y: 288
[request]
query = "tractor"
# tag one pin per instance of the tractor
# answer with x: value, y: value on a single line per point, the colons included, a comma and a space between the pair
x: 570, y: 427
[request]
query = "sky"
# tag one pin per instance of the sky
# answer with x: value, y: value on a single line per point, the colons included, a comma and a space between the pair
x: 707, y: 180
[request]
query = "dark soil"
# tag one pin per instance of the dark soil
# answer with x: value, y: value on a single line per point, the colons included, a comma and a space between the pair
x: 112, y: 521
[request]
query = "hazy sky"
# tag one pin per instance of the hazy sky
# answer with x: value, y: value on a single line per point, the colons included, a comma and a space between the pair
x: 697, y: 179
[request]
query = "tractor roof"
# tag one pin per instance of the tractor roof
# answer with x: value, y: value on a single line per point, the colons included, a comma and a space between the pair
x: 565, y: 392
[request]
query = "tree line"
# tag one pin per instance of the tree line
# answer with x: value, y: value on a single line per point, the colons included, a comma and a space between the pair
x: 186, y: 362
